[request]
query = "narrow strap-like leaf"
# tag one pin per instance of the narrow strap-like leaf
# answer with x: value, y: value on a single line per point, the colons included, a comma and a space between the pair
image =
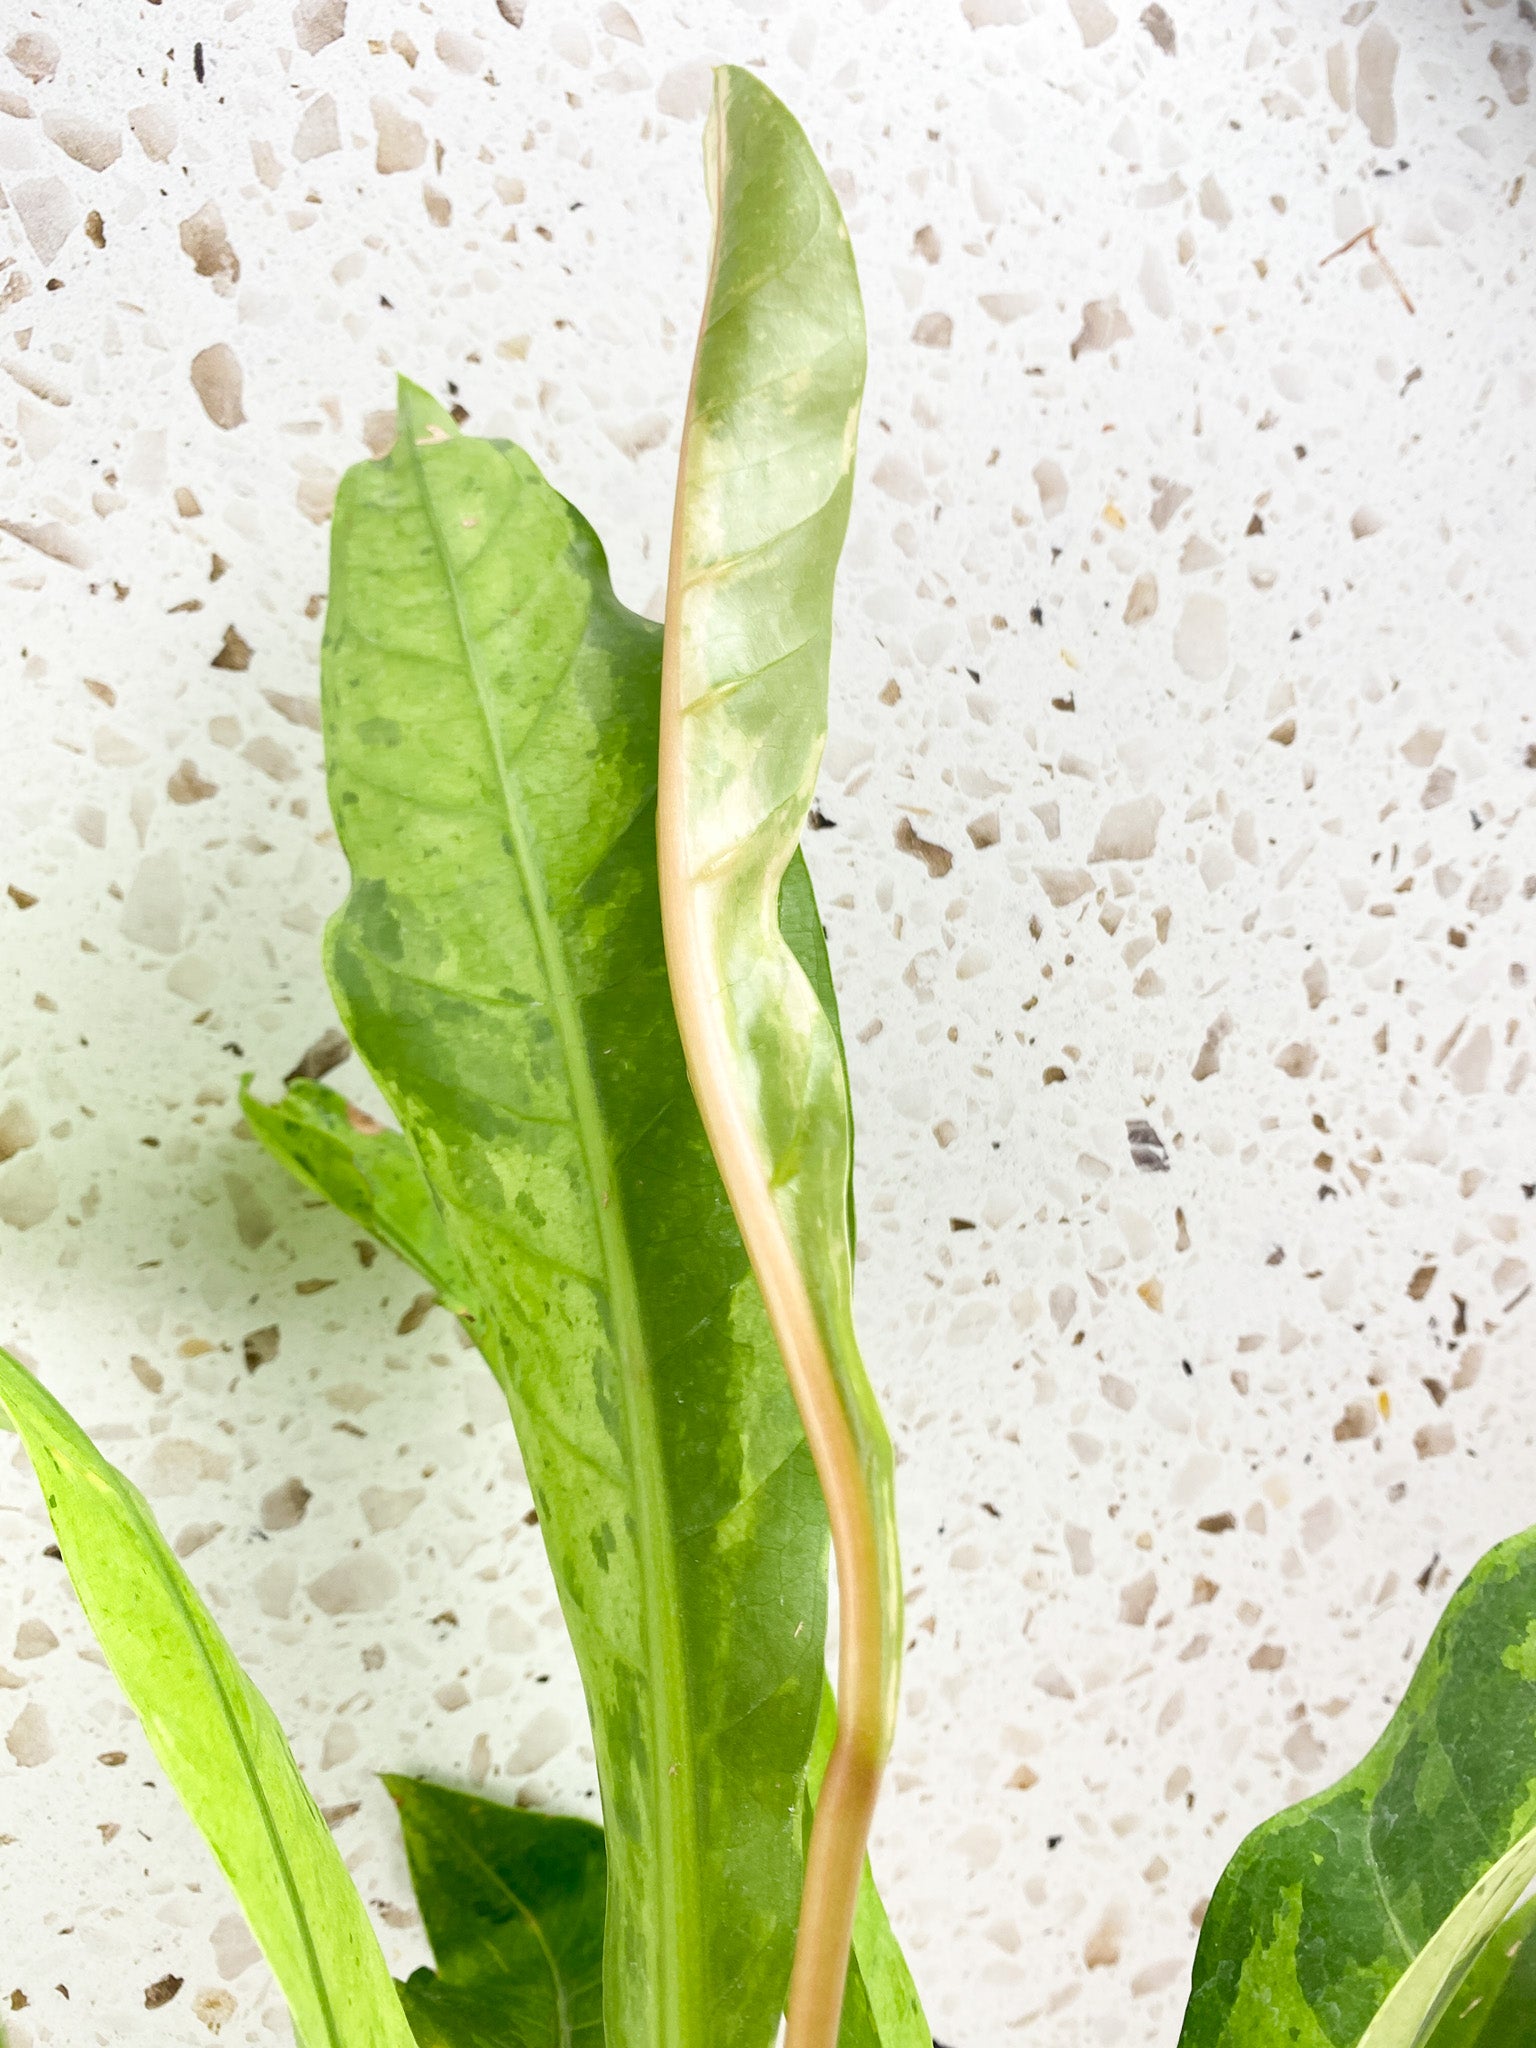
x: 1348, y: 1921
x: 762, y: 504
x: 217, y: 1740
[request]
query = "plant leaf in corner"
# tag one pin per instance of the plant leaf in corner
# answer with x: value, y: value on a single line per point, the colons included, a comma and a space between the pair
x: 217, y: 1740
x: 491, y: 729
x: 512, y: 1903
x: 1350, y: 1921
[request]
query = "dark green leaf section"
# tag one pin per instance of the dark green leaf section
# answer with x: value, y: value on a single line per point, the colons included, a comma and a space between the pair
x: 1495, y: 2007
x: 491, y: 732
x: 370, y: 1173
x: 1324, y: 1908
x: 217, y: 1740
x: 512, y: 1903
x: 881, y: 2008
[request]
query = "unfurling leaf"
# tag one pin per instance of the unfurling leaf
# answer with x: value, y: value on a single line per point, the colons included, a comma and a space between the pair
x: 217, y: 1740
x: 763, y: 492
x: 1349, y: 1921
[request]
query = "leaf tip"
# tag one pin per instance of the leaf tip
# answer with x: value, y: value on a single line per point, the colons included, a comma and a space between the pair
x: 422, y: 419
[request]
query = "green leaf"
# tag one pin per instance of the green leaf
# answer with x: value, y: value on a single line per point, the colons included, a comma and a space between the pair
x: 890, y: 2013
x: 217, y: 1740
x: 1495, y: 2005
x: 512, y: 1902
x: 1351, y: 1918
x: 369, y: 1173
x: 762, y: 505
x: 491, y: 729
x: 881, y: 2008
x: 442, y: 2016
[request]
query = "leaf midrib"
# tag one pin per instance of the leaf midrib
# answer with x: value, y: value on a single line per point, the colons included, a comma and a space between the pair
x: 678, y: 1909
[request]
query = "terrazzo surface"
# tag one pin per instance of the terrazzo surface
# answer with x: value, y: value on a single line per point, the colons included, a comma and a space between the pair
x: 1178, y: 867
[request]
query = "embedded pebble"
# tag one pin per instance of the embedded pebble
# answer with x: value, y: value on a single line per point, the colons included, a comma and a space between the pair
x: 95, y: 144
x: 355, y: 1586
x: 318, y: 132
x: 402, y: 144
x: 219, y: 382
x: 155, y: 130
x: 35, y: 55
x: 318, y: 23
x: 29, y: 1192
x: 18, y: 1129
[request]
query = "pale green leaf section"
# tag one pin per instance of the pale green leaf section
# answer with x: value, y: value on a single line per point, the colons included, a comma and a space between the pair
x: 1427, y: 1988
x: 217, y: 1740
x: 763, y: 505
x: 764, y: 485
x: 339, y: 1159
x: 1495, y: 2004
x: 491, y: 731
x: 1350, y: 1921
x: 368, y: 1172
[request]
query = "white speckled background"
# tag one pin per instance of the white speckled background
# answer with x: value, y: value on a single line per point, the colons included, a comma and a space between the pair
x: 1190, y: 1458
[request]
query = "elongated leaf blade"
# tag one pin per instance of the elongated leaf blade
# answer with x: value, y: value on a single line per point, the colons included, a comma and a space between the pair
x: 217, y: 1740
x: 512, y: 1903
x: 1495, y: 2005
x: 1349, y: 1920
x: 491, y: 721
x: 762, y: 504
x: 368, y: 1172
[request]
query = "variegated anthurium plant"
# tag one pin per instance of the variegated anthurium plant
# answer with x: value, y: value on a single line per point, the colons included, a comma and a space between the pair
x: 582, y: 958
